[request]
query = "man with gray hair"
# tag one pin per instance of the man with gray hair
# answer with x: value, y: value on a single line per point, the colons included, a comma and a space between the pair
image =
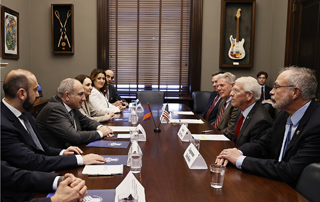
x: 225, y: 121
x: 293, y: 142
x: 60, y: 122
x: 253, y: 119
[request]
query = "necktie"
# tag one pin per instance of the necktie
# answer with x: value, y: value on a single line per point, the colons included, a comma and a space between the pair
x: 31, y: 131
x: 72, y: 119
x: 288, y: 138
x: 238, y: 128
x: 262, y: 94
x: 211, y: 107
x: 220, y: 116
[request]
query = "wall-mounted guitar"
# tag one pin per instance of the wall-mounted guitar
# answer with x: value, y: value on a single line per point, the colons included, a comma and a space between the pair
x: 236, y: 51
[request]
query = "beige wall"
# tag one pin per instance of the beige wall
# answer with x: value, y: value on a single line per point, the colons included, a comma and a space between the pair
x: 35, y: 41
x: 269, y: 49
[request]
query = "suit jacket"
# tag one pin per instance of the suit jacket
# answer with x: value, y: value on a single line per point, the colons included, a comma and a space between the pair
x: 267, y: 92
x: 20, y: 185
x: 100, y: 102
x: 227, y: 122
x: 257, y: 122
x: 87, y: 110
x: 213, y: 114
x: 57, y: 128
x: 113, y: 95
x: 303, y: 149
x: 18, y: 148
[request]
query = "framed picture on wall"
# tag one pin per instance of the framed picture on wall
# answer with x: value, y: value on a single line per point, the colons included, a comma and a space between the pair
x: 9, y: 33
x: 62, y: 41
x: 237, y: 33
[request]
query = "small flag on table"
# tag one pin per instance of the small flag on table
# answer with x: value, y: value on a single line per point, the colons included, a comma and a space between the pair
x: 165, y: 114
x: 147, y: 114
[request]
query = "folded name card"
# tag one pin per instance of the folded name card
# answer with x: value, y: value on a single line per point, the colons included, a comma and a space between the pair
x: 194, y: 158
x: 184, y: 133
x: 142, y: 135
x: 109, y: 144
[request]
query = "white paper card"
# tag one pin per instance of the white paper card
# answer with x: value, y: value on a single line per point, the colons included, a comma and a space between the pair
x: 183, y: 113
x: 102, y: 169
x: 194, y: 121
x: 184, y: 133
x: 132, y: 185
x: 210, y: 137
x: 142, y: 135
x: 121, y: 128
x: 123, y: 136
x: 194, y: 158
x: 133, y: 148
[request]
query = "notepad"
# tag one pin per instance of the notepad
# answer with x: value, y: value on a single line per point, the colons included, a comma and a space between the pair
x: 102, y: 169
x: 210, y: 137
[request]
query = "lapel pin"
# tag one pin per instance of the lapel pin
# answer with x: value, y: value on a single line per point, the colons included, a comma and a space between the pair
x: 298, y: 132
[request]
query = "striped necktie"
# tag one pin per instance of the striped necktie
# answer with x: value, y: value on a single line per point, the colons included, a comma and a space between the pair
x: 220, y: 116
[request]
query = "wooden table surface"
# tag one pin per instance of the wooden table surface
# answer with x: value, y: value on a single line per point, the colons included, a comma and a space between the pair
x: 165, y: 174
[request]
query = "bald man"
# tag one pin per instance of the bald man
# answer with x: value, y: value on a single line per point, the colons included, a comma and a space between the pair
x: 112, y: 94
x: 60, y: 122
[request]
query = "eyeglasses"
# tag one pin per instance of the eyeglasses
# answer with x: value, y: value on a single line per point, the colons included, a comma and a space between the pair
x: 277, y: 86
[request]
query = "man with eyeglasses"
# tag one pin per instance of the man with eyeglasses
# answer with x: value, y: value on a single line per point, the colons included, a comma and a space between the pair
x: 60, y: 122
x: 252, y: 120
x: 293, y: 142
x: 112, y: 94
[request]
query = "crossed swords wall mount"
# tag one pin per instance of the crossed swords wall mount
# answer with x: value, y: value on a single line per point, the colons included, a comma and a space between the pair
x: 63, y: 30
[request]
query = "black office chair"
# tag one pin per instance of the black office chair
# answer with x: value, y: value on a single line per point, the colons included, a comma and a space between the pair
x: 200, y: 100
x: 309, y: 182
x: 153, y: 97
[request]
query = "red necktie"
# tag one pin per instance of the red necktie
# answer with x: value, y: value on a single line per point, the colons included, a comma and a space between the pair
x: 238, y: 128
x: 220, y: 116
x: 206, y: 117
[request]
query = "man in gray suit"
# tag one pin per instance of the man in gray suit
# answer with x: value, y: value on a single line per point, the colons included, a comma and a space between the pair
x: 227, y: 113
x: 253, y: 119
x: 60, y: 122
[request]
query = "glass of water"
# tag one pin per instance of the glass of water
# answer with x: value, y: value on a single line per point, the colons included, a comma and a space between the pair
x: 217, y: 175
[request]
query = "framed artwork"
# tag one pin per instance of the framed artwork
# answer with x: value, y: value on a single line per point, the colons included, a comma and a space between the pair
x: 62, y: 41
x: 9, y: 33
x: 237, y: 33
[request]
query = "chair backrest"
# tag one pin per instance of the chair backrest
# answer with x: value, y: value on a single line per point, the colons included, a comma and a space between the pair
x: 200, y: 100
x: 153, y: 97
x: 309, y: 182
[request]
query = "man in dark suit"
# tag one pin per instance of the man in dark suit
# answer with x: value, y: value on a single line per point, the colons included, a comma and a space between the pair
x: 210, y: 113
x: 265, y: 90
x: 21, y: 185
x: 293, y: 142
x: 61, y: 124
x: 21, y: 145
x: 252, y: 120
x: 225, y: 121
x: 112, y: 93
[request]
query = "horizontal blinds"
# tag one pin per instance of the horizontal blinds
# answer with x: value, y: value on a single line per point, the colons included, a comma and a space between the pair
x: 149, y: 45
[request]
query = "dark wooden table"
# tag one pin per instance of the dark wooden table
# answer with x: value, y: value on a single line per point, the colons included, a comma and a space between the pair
x: 165, y: 174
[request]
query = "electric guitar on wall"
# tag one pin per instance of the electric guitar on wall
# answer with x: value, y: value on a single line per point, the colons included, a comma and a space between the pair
x: 236, y: 51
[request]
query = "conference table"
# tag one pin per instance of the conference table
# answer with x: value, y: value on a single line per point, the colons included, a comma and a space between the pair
x: 166, y: 176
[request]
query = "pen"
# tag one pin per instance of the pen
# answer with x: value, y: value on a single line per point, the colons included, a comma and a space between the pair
x: 207, y: 131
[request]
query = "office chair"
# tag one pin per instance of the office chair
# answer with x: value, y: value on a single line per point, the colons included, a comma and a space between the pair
x: 200, y: 100
x: 153, y: 97
x: 309, y: 182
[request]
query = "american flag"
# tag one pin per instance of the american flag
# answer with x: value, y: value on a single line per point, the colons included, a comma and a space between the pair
x: 165, y: 114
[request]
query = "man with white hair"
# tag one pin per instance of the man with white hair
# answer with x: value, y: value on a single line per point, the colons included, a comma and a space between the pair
x: 225, y: 121
x: 293, y: 142
x: 253, y: 119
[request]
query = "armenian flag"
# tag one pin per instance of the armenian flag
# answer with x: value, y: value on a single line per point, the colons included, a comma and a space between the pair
x: 147, y: 114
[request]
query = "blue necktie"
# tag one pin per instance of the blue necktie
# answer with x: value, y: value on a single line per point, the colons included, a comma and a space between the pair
x: 288, y: 138
x: 31, y: 131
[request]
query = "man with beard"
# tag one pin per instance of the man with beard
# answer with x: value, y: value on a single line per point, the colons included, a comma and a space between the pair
x: 112, y: 94
x: 293, y: 142
x: 21, y: 145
